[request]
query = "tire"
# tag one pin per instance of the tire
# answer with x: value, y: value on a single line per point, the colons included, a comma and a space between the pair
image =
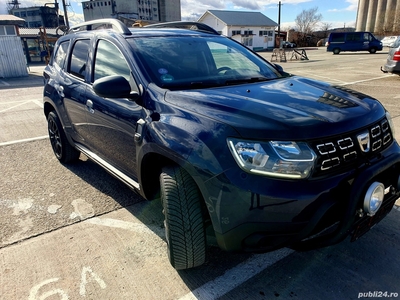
x: 372, y: 50
x: 336, y: 51
x: 183, y: 218
x: 62, y: 149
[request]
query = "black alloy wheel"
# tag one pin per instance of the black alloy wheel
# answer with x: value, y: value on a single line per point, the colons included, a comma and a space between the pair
x: 62, y: 149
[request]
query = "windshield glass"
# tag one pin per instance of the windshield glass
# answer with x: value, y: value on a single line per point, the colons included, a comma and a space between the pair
x: 194, y: 62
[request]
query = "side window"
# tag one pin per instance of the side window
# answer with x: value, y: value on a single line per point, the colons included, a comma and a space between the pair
x: 367, y: 37
x: 337, y: 38
x: 77, y: 65
x: 353, y: 37
x: 60, y: 54
x: 109, y: 61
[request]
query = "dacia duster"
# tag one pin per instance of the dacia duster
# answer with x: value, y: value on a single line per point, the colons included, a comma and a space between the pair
x: 234, y: 147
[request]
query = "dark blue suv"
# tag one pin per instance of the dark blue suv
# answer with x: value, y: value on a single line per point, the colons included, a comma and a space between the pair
x: 235, y: 148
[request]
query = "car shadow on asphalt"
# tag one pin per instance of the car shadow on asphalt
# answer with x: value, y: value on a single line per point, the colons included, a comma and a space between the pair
x: 150, y: 214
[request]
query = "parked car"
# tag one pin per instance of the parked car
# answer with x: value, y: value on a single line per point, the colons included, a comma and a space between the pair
x: 353, y: 41
x: 393, y: 59
x: 388, y: 41
x: 239, y: 152
x: 286, y: 44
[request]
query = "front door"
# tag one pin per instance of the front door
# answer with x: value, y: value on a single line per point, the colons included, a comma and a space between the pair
x: 112, y: 121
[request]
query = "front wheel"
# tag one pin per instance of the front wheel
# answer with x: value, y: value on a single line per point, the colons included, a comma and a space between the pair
x: 184, y: 220
x: 62, y: 149
x: 372, y: 50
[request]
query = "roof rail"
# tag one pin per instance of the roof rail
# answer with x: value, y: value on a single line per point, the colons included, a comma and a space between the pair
x: 109, y: 23
x: 186, y: 25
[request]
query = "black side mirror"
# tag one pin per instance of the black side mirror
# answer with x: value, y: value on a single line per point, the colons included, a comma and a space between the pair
x: 280, y: 70
x: 114, y: 86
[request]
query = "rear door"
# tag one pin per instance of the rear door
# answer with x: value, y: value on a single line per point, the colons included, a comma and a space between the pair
x: 112, y: 121
x: 72, y: 88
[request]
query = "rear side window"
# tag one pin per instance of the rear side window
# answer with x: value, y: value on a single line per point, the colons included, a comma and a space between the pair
x: 79, y: 55
x: 60, y: 54
x: 353, y: 37
x: 337, y: 38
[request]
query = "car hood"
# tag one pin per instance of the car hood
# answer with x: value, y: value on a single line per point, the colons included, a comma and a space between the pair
x: 286, y: 108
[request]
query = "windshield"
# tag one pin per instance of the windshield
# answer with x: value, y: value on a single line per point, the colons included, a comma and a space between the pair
x: 195, y: 62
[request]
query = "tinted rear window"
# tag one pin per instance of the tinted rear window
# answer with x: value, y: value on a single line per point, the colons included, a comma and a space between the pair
x: 77, y: 65
x: 337, y: 37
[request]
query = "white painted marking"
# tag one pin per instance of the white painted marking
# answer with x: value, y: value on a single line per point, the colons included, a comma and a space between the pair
x: 21, y: 101
x: 4, y: 83
x: 24, y: 140
x: 85, y: 270
x: 366, y: 80
x: 237, y: 275
x: 136, y: 227
x: 38, y: 103
x: 12, y: 107
x: 33, y: 295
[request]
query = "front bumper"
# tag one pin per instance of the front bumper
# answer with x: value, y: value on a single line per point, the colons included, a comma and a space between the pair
x: 271, y: 213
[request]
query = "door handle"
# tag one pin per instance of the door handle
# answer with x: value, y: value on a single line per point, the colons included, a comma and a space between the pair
x: 89, y: 106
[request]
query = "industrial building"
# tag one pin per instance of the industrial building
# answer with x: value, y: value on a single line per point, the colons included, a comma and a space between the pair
x: 381, y: 17
x: 37, y: 16
x: 146, y: 10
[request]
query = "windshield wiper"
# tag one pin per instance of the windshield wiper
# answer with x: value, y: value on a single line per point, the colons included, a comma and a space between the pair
x: 247, y: 80
x: 202, y: 84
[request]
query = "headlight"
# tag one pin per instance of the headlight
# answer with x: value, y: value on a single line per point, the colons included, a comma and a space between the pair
x: 275, y: 158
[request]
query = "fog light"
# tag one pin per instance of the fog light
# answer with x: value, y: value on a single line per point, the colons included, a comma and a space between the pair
x: 373, y: 198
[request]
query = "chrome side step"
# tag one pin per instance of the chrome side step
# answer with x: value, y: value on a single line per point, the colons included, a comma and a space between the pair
x: 111, y: 169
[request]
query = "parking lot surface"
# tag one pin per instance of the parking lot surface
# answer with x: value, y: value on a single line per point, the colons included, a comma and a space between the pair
x: 75, y: 232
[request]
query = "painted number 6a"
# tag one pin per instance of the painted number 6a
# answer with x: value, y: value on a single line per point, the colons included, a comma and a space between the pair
x: 34, y: 294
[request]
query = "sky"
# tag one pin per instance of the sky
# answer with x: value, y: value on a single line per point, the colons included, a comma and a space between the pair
x: 338, y: 13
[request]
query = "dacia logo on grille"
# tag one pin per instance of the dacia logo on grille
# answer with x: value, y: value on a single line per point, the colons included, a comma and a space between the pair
x: 363, y: 141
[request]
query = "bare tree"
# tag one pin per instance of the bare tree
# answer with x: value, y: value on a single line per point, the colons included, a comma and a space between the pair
x: 307, y: 20
x: 306, y: 23
x: 325, y: 28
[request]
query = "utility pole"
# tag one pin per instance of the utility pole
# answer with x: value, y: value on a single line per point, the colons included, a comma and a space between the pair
x: 65, y: 14
x: 279, y: 23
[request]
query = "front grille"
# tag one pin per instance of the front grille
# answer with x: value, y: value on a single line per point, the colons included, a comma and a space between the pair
x: 339, y: 153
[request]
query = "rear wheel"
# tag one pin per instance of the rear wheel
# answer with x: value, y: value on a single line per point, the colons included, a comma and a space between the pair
x: 184, y: 221
x: 62, y: 149
x: 336, y: 51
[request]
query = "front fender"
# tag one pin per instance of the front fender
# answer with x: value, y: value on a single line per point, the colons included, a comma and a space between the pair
x: 197, y: 145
